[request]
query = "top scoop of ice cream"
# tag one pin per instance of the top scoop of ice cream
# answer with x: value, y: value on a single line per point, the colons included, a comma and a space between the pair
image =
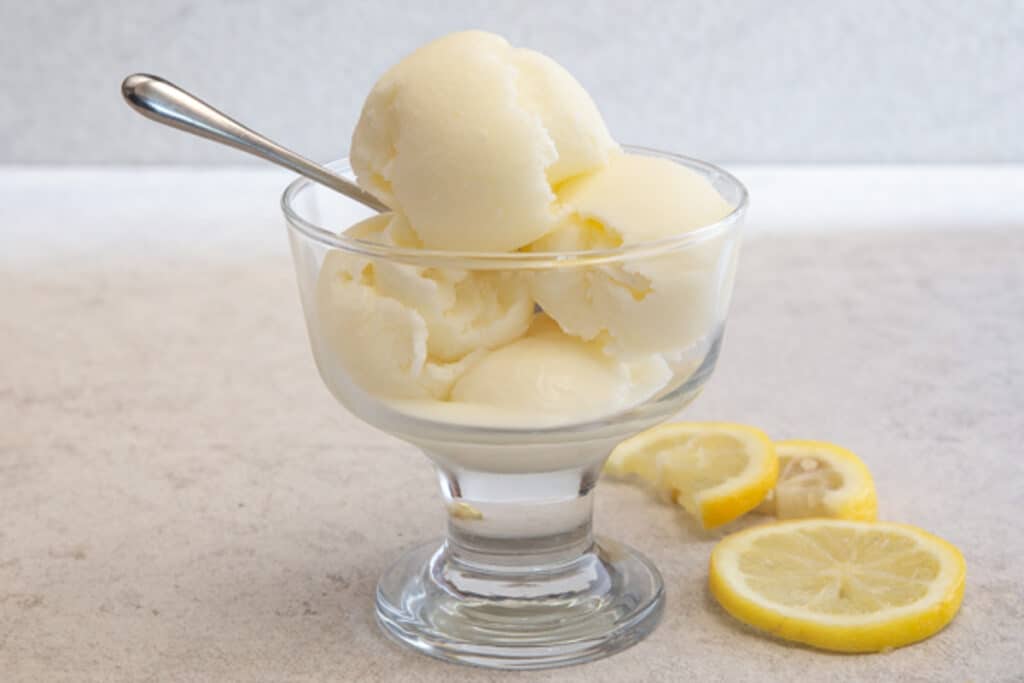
x: 467, y: 136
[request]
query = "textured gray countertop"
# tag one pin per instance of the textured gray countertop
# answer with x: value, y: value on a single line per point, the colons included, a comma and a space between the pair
x: 181, y: 499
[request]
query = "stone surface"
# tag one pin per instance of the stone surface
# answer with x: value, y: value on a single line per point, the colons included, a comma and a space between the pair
x: 182, y: 500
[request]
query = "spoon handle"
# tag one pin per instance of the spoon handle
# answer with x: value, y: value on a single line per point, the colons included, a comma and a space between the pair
x: 166, y: 103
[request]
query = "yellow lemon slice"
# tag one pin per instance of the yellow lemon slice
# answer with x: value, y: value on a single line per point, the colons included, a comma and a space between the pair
x: 841, y: 585
x: 716, y: 470
x: 818, y: 479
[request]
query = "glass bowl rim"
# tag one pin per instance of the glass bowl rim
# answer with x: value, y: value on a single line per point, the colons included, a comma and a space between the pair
x: 519, y: 260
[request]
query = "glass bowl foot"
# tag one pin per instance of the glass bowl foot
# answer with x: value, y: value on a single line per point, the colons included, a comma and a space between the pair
x: 502, y: 617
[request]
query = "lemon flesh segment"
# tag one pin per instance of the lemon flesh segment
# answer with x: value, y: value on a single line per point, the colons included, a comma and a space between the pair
x: 717, y: 471
x: 819, y: 479
x: 840, y: 585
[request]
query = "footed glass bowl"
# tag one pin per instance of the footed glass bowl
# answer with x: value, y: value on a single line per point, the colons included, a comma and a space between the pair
x: 454, y: 353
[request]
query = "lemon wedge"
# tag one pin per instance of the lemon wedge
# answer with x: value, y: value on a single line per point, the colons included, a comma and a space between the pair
x: 819, y: 479
x: 841, y: 585
x: 717, y: 471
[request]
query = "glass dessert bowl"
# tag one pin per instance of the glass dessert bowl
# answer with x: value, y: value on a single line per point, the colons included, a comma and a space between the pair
x: 516, y: 373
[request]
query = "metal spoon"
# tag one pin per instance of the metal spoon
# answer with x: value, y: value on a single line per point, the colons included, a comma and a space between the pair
x: 166, y: 103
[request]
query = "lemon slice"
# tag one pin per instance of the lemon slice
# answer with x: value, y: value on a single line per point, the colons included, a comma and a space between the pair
x: 716, y: 470
x: 841, y: 585
x: 818, y: 479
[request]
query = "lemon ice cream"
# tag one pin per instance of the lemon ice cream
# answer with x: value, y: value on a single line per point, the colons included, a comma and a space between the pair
x: 478, y: 146
x: 467, y: 136
x: 406, y: 331
x: 648, y: 305
x: 547, y: 371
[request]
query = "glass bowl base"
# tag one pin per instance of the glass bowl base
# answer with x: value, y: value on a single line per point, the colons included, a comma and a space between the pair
x: 604, y: 601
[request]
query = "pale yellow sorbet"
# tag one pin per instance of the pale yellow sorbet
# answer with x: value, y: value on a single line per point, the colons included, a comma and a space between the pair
x: 478, y: 146
x: 405, y: 331
x: 657, y: 304
x: 467, y: 136
x: 550, y: 372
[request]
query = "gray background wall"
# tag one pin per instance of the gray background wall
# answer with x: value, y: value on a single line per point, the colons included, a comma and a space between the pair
x: 730, y: 80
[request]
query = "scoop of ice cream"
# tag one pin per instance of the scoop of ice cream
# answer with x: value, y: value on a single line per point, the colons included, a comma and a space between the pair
x: 379, y: 342
x: 467, y: 136
x: 404, y: 331
x: 642, y: 198
x: 654, y: 304
x: 548, y: 372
